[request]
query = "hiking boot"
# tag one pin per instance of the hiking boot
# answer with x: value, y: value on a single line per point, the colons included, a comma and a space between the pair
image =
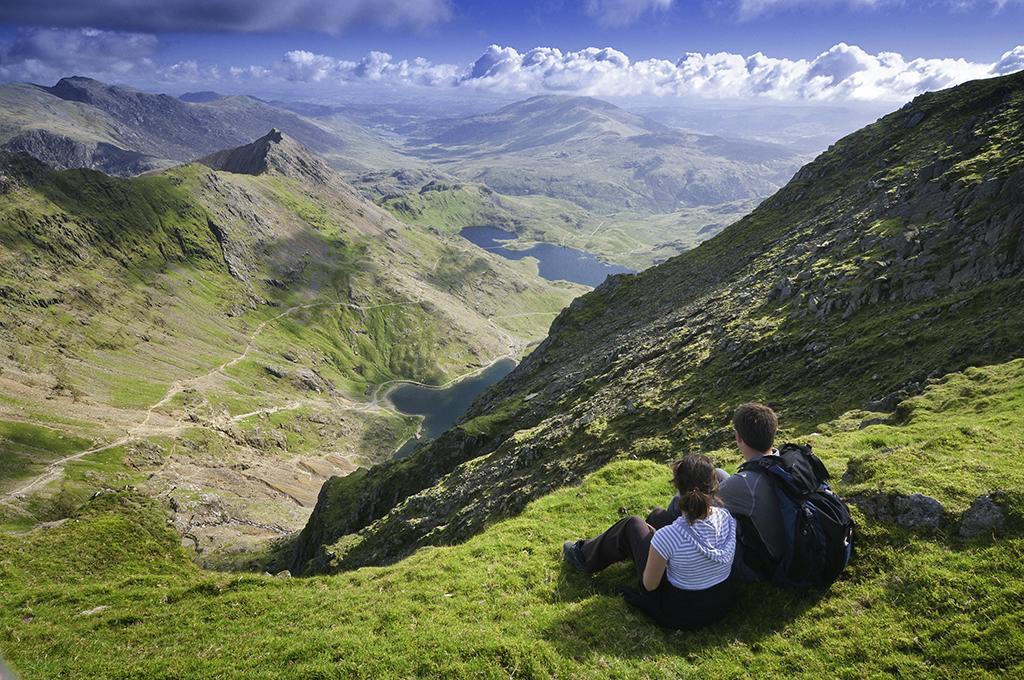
x: 572, y: 551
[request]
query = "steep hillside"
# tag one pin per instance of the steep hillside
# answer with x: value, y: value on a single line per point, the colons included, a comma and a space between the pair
x: 218, y: 338
x: 924, y: 603
x: 888, y: 261
x: 600, y: 157
x: 81, y: 122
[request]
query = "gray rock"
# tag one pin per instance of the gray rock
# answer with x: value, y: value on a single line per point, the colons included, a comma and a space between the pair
x: 311, y: 380
x: 95, y: 610
x: 918, y: 511
x: 915, y: 511
x: 276, y: 371
x: 984, y: 517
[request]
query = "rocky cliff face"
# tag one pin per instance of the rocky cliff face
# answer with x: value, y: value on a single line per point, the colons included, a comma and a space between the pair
x: 274, y: 152
x: 888, y: 261
x: 62, y: 152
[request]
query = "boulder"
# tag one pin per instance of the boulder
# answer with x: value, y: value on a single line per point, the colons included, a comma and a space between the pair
x: 915, y: 511
x: 983, y: 518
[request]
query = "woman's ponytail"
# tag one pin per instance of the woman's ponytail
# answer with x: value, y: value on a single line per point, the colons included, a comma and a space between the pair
x: 695, y: 479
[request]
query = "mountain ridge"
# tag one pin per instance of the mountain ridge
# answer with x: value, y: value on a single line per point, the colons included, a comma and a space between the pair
x: 274, y: 152
x: 141, y: 131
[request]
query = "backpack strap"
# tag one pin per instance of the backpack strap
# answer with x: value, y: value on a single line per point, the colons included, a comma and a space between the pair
x: 796, y: 468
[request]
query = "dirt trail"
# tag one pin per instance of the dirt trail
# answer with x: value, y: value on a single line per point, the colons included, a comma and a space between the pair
x: 144, y: 429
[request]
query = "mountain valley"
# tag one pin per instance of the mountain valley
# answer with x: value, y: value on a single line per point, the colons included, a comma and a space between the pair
x: 222, y: 333
x: 206, y: 303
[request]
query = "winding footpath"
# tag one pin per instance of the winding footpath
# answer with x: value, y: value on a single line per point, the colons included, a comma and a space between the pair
x: 55, y: 469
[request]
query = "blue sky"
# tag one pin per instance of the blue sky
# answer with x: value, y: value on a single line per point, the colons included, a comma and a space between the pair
x: 178, y: 44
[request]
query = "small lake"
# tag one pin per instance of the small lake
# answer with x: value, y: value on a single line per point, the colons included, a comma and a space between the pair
x: 442, y: 406
x: 555, y: 262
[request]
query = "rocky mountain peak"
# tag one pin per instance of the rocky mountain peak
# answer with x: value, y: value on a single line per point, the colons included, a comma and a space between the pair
x: 274, y: 153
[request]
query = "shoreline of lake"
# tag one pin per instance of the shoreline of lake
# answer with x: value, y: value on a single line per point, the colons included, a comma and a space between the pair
x: 440, y: 406
x: 554, y: 262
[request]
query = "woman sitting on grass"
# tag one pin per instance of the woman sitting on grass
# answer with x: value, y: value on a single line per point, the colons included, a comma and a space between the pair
x: 684, y: 566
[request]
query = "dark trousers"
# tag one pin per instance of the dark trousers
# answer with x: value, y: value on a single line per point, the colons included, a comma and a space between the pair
x: 629, y: 538
x: 670, y: 607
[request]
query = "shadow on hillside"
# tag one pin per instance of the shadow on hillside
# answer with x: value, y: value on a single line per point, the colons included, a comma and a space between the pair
x: 600, y: 623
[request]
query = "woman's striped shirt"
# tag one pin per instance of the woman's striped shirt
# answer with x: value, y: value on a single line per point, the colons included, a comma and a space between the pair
x: 698, y: 555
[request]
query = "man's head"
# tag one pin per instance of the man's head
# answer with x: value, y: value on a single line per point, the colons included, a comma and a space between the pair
x: 755, y: 426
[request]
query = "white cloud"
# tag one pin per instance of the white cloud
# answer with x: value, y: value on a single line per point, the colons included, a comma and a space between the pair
x: 841, y: 73
x: 1011, y: 61
x: 615, y: 13
x: 43, y: 54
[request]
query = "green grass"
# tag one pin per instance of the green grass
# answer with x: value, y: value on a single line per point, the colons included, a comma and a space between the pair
x: 26, y: 448
x: 504, y: 605
x: 490, y: 423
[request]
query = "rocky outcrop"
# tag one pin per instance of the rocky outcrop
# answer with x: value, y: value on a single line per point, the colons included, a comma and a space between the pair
x: 272, y: 153
x: 983, y: 518
x: 61, y: 153
x: 914, y: 511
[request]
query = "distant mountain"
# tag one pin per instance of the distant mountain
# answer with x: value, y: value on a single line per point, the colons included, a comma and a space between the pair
x: 64, y: 124
x: 600, y: 156
x: 892, y: 259
x: 805, y: 129
x: 202, y: 97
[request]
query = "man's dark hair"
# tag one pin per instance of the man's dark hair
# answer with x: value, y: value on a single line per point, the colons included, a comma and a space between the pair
x: 756, y: 424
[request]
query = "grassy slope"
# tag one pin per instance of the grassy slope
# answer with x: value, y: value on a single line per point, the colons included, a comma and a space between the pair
x: 503, y: 605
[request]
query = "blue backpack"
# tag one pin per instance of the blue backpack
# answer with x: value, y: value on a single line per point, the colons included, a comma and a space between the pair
x: 818, y: 528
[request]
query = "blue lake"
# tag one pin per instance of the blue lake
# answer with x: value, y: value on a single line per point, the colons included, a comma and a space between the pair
x: 555, y: 262
x: 442, y: 406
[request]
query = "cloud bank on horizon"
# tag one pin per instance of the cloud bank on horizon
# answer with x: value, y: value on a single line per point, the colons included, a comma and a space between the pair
x: 841, y: 73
